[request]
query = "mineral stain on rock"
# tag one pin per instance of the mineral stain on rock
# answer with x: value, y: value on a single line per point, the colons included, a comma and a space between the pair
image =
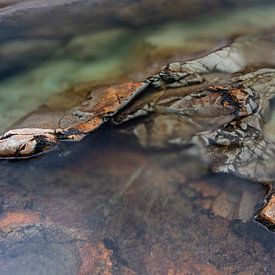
x: 166, y: 177
x: 214, y: 104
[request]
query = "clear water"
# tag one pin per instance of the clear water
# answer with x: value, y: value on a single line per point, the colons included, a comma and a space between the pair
x: 104, y: 205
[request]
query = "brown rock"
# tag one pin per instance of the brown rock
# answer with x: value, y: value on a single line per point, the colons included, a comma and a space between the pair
x: 206, y: 189
x: 267, y: 214
x: 158, y: 262
x: 17, y: 227
x: 95, y: 260
x: 41, y: 130
x: 19, y: 218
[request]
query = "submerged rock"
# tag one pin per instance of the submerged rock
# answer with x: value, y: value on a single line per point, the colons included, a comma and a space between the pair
x: 217, y: 104
x: 37, y: 134
x: 267, y: 214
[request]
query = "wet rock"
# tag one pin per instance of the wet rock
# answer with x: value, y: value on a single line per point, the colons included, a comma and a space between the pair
x: 184, y: 264
x: 37, y: 77
x: 34, y: 245
x: 95, y: 259
x: 132, y: 209
x: 218, y: 199
x: 267, y: 214
x: 73, y: 124
x: 25, y: 143
x: 221, y: 103
x: 181, y: 106
x: 14, y: 219
x: 217, y: 104
x: 36, y: 249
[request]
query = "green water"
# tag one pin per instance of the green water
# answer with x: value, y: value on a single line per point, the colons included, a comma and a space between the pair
x: 34, y: 68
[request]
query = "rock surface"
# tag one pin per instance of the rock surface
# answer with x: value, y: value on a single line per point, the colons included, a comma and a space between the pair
x: 217, y: 103
x: 110, y: 208
x: 119, y: 202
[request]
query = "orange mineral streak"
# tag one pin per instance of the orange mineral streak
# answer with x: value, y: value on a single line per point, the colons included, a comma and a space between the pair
x: 268, y: 212
x: 160, y: 262
x: 238, y: 95
x: 20, y: 218
x: 95, y: 259
x: 115, y: 96
x: 108, y: 101
x: 89, y: 126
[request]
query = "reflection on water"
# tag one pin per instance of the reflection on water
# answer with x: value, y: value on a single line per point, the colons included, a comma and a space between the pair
x: 105, y: 206
x: 111, y: 207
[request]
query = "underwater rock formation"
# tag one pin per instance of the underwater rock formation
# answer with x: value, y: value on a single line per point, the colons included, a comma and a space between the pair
x: 217, y: 104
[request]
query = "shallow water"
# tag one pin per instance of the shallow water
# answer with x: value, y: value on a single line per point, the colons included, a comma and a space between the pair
x: 105, y: 205
x: 35, y: 65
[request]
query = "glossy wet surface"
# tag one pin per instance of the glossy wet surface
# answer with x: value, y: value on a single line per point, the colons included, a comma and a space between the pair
x: 39, y: 59
x: 109, y: 207
x: 105, y: 205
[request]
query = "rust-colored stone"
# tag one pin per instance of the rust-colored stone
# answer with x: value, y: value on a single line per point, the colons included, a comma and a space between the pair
x: 267, y: 214
x: 102, y: 103
x: 95, y: 259
x: 158, y: 262
x: 41, y: 130
x: 18, y: 218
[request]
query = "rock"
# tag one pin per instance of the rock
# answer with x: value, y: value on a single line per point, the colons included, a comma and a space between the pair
x: 27, y: 142
x: 221, y: 103
x: 216, y: 105
x: 128, y: 209
x: 29, y: 79
x: 29, y: 247
x: 31, y: 241
x: 72, y: 124
x: 221, y: 197
x: 15, y: 219
x: 95, y: 259
x: 267, y: 213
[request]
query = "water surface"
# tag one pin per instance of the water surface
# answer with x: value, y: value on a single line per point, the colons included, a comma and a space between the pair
x: 105, y: 205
